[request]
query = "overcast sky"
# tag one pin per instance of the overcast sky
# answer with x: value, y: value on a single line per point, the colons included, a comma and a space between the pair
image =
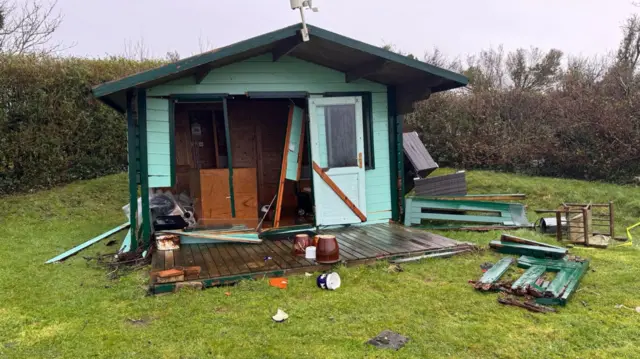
x: 101, y: 27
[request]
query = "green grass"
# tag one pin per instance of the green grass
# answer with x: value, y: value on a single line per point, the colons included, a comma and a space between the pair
x: 72, y: 310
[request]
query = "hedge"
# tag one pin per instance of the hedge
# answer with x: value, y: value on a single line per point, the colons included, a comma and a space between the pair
x: 52, y: 131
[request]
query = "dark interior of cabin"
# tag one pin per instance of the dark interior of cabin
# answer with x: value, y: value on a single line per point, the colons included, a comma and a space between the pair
x: 258, y: 129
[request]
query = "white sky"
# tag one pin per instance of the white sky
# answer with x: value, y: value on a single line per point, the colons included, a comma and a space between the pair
x: 458, y: 27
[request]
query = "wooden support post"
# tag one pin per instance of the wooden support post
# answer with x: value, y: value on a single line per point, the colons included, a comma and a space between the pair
x: 133, y: 148
x: 611, y: 221
x: 227, y: 135
x: 144, y: 168
x: 283, y: 169
x: 585, y: 223
x: 339, y: 192
x: 559, y: 225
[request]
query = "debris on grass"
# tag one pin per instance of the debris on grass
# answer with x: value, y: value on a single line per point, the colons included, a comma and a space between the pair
x: 395, y: 268
x: 388, y: 339
x: 280, y: 316
x: 279, y: 282
x: 528, y: 304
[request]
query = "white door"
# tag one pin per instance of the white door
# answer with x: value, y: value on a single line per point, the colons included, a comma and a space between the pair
x: 337, y: 147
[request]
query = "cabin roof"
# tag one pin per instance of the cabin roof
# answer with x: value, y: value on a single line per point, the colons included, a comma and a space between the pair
x: 414, y: 80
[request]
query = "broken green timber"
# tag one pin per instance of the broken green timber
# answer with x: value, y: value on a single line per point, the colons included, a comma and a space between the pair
x: 513, y: 239
x: 497, y: 213
x: 287, y: 231
x: 534, y: 251
x: 494, y: 273
x: 528, y: 278
x: 88, y: 243
x: 566, y: 281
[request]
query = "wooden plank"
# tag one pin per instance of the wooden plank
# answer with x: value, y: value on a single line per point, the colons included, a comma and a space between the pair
x: 254, y: 264
x: 283, y: 169
x: 219, y: 260
x: 187, y: 255
x: 178, y: 260
x: 208, y: 260
x: 396, y: 240
x: 346, y: 242
x: 157, y: 261
x: 90, y: 242
x: 338, y: 192
x: 277, y: 262
x: 372, y: 240
x: 353, y: 242
x: 301, y: 150
x: 261, y: 255
x: 198, y: 258
x: 288, y: 248
x: 417, y: 154
x: 285, y: 257
x: 168, y: 259
x: 240, y: 265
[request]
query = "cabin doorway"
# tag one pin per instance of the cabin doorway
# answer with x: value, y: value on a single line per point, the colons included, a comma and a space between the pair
x: 256, y: 137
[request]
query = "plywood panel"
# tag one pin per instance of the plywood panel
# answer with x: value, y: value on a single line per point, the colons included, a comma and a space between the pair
x: 245, y: 189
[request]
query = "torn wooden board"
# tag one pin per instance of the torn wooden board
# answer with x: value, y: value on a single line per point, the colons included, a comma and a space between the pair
x: 454, y: 184
x: 208, y: 237
x: 88, y: 243
x: 418, y: 155
x: 529, y: 250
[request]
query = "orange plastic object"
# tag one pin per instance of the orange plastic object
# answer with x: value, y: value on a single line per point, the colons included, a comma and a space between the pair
x: 279, y: 282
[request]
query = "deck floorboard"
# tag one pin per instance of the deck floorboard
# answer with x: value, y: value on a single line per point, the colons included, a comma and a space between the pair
x: 229, y: 262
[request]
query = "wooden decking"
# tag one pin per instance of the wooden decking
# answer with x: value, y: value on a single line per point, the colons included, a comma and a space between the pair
x: 228, y: 263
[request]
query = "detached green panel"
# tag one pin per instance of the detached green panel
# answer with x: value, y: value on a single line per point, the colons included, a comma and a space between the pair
x: 294, y: 144
x: 158, y: 142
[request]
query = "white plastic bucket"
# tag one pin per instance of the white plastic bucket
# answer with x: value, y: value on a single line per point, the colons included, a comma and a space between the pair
x: 330, y: 281
x: 310, y: 252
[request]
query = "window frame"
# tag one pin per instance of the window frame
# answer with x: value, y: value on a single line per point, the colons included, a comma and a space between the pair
x: 367, y: 124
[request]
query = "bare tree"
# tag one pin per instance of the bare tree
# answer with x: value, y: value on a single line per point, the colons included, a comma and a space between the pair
x: 533, y: 69
x: 486, y: 70
x: 173, y: 56
x: 137, y: 50
x: 28, y: 27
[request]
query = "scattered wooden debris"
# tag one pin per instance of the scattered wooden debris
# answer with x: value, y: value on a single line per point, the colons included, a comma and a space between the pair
x: 88, y: 243
x: 579, y: 221
x: 530, y: 250
x: 489, y: 280
x: 454, y: 184
x: 527, y: 304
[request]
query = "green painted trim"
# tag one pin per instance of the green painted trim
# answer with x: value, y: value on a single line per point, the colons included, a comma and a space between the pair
x: 88, y: 243
x: 393, y: 164
x: 367, y: 117
x: 400, y: 161
x: 277, y: 94
x: 194, y: 61
x: 196, y: 97
x: 264, y: 40
x: 144, y: 167
x: 172, y: 140
x: 307, y: 145
x: 227, y: 135
x: 386, y: 54
x: 132, y: 139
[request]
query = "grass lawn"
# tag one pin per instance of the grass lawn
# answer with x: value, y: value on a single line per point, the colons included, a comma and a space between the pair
x: 72, y: 310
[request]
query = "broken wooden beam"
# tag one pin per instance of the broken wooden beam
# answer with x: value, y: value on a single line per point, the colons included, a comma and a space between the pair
x: 88, y: 243
x: 491, y: 276
x: 534, y: 251
x: 513, y: 239
x: 528, y: 305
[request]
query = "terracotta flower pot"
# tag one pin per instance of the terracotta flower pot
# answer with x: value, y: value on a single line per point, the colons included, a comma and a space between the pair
x: 300, y: 244
x: 327, y: 251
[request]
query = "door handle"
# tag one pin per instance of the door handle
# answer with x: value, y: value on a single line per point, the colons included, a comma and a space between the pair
x: 360, y: 160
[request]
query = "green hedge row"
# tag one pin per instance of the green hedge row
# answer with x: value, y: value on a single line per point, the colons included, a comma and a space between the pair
x: 52, y: 130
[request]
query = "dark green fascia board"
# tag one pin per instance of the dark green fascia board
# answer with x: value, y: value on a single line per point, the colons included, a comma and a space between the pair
x: 140, y: 79
x: 276, y: 94
x: 196, y: 97
x: 172, y: 140
x: 386, y: 54
x: 193, y: 61
x: 392, y: 114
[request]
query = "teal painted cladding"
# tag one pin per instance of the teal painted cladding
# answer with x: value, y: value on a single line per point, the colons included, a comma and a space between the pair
x: 294, y: 144
x: 288, y: 74
x: 158, y: 142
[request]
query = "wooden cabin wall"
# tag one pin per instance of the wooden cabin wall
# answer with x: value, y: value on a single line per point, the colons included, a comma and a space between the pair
x: 258, y: 129
x: 261, y: 73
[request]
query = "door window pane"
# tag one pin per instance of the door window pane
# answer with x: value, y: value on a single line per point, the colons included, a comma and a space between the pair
x: 341, y: 135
